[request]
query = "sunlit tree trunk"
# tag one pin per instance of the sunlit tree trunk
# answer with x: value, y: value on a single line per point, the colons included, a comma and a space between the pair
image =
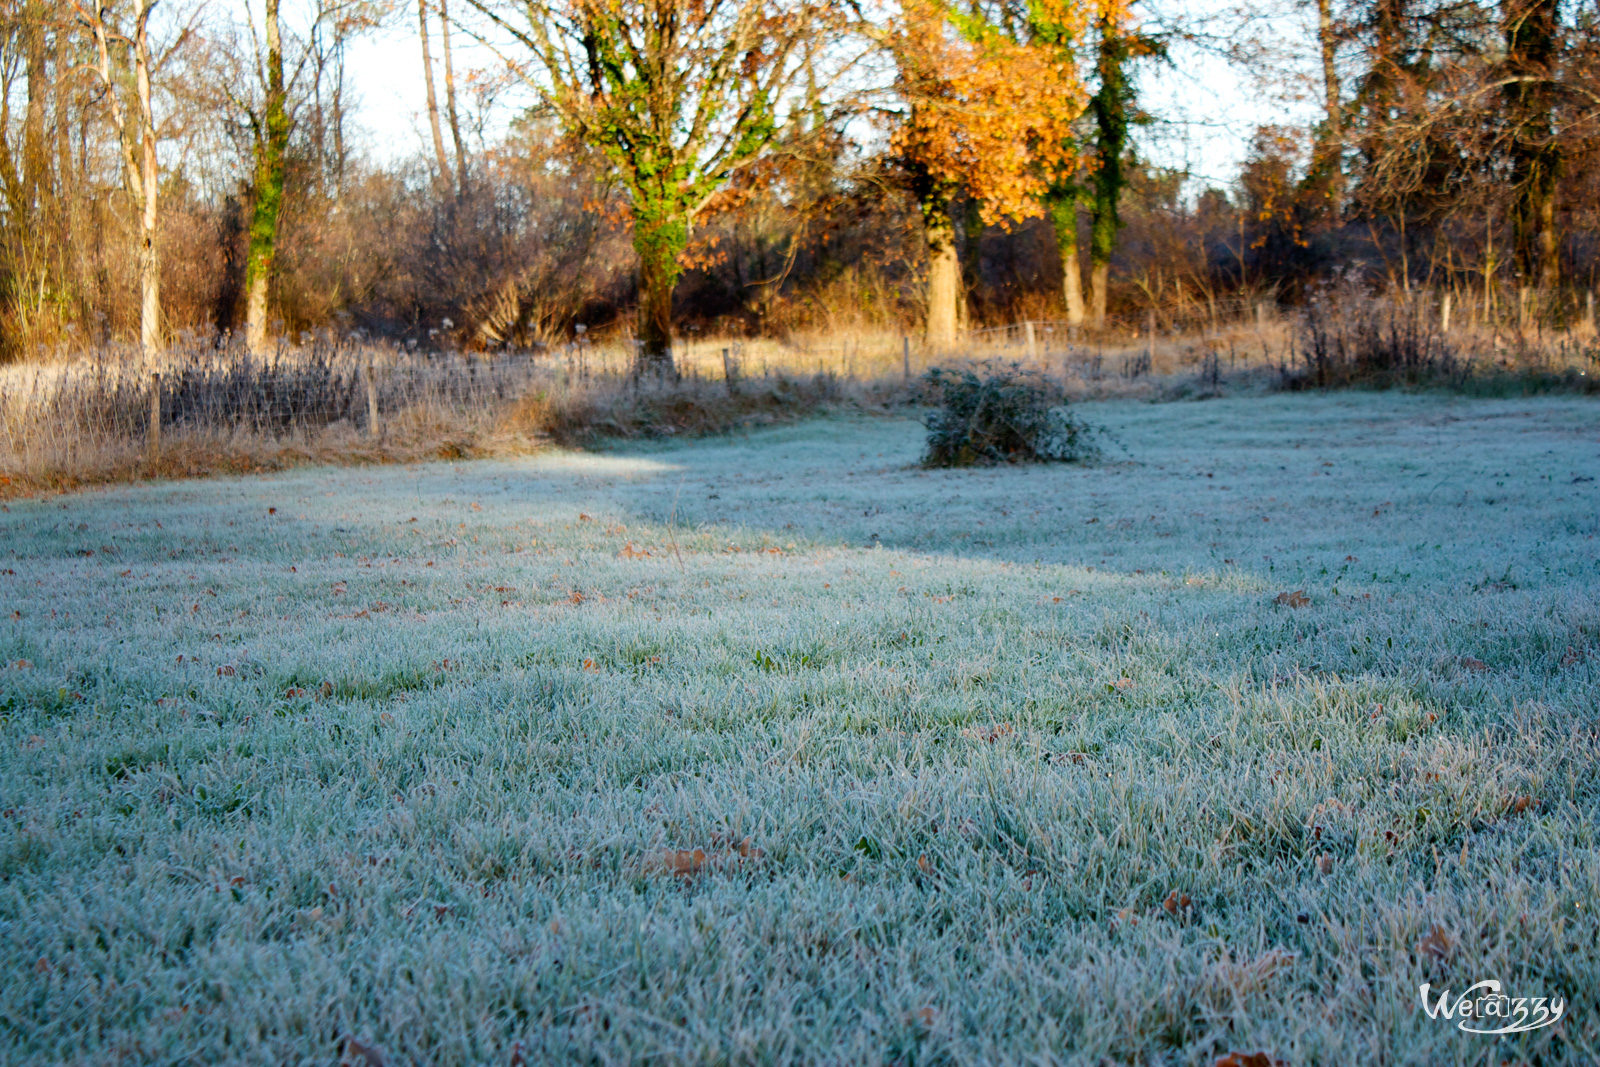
x: 443, y: 161
x: 35, y: 156
x: 140, y: 170
x: 944, y: 279
x: 943, y: 319
x: 450, y: 99
x: 1328, y: 164
x: 1064, y: 217
x: 149, y: 254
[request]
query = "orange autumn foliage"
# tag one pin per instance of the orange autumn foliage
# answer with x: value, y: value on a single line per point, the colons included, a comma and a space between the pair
x: 988, y: 113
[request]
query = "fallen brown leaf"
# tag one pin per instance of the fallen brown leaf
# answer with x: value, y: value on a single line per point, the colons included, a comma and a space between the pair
x: 687, y: 862
x: 990, y: 733
x: 683, y: 862
x: 1325, y: 863
x: 1176, y: 902
x: 1248, y: 1059
x: 1296, y: 599
x: 1518, y: 805
x: 359, y: 1054
x: 1438, y: 943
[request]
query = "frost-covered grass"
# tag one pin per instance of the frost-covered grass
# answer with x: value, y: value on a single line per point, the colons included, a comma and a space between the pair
x: 1031, y: 764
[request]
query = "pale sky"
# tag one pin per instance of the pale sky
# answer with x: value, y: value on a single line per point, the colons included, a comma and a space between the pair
x: 1210, y: 106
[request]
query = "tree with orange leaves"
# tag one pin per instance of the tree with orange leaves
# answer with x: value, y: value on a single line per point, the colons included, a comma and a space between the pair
x: 987, y: 114
x: 1100, y: 35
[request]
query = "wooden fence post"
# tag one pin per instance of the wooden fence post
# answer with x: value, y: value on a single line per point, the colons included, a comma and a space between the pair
x: 730, y: 372
x: 1261, y: 315
x: 155, y: 417
x: 1588, y: 309
x: 1444, y: 313
x: 1030, y: 339
x: 372, y: 402
x: 1150, y: 340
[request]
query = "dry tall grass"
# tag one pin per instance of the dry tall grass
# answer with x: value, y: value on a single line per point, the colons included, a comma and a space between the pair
x: 87, y: 420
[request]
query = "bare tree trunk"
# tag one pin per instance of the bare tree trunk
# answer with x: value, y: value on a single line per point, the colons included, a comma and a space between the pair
x: 149, y: 254
x: 271, y: 146
x: 1064, y: 216
x: 1532, y: 31
x: 1110, y: 105
x: 1099, y: 282
x: 340, y: 158
x: 450, y: 99
x: 1072, y: 284
x: 1331, y: 146
x: 433, y: 101
x: 944, y: 280
x: 141, y: 174
x: 35, y: 160
x: 654, y: 357
x: 65, y: 90
x: 660, y: 234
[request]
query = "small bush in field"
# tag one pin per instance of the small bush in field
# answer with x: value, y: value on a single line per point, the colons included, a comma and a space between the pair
x: 1001, y: 414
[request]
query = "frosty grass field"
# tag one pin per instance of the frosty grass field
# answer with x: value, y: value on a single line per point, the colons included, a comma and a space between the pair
x: 412, y: 764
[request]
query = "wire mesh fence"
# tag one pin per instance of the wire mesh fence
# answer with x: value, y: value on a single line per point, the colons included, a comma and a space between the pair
x: 114, y: 395
x: 111, y: 406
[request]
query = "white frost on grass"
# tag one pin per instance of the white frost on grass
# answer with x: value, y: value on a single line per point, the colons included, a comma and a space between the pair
x: 437, y: 734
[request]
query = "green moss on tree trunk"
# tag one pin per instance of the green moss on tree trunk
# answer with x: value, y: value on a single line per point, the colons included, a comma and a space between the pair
x: 659, y: 238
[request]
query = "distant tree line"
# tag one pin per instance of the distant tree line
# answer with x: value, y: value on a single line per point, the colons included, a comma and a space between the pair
x: 172, y: 166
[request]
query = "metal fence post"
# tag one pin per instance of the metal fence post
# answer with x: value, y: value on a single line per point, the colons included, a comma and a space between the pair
x: 905, y: 355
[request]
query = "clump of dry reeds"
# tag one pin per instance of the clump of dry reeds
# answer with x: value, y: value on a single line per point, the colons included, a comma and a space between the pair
x: 222, y: 410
